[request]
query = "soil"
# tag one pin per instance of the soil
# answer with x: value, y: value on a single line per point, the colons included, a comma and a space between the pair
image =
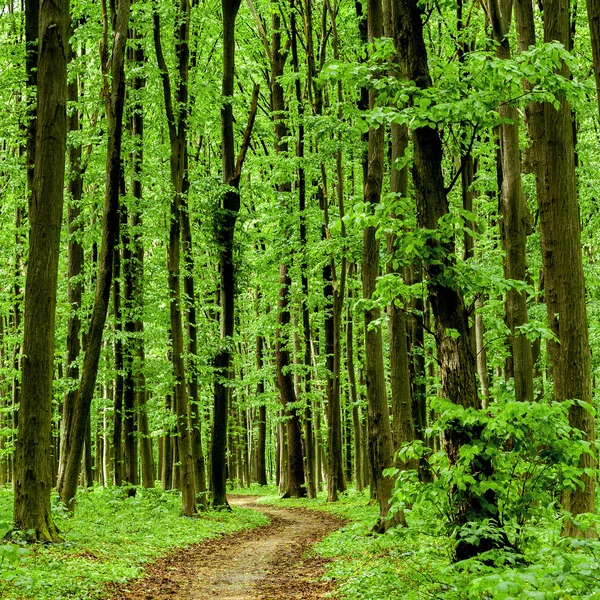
x: 268, y: 563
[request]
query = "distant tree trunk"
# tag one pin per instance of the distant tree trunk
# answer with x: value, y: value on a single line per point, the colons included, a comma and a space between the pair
x: 354, y: 402
x: 129, y: 358
x: 514, y: 222
x: 593, y: 10
x: 110, y: 227
x: 33, y: 449
x: 261, y: 471
x: 117, y: 437
x: 192, y: 335
x: 563, y: 269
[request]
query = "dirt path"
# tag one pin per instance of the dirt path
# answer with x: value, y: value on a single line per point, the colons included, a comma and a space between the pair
x: 268, y: 563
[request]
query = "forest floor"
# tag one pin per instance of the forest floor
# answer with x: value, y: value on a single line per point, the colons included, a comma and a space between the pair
x: 268, y: 563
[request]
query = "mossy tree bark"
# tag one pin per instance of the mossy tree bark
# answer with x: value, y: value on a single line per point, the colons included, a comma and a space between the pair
x: 560, y: 232
x: 32, y: 482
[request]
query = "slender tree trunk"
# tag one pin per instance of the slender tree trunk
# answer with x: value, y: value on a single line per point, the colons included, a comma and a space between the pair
x: 225, y: 229
x: 514, y: 222
x: 137, y: 271
x: 33, y: 449
x: 75, y: 259
x: 354, y: 402
x: 117, y: 437
x: 261, y: 471
x: 110, y: 227
x: 593, y: 11
x: 381, y: 448
x: 179, y: 165
x: 308, y: 440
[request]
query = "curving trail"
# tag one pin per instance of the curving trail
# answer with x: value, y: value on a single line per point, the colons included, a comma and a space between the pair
x: 268, y: 563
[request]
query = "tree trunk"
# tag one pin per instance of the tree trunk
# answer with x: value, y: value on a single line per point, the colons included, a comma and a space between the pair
x: 514, y: 224
x: 75, y: 259
x: 179, y: 165
x: 563, y: 270
x: 593, y: 10
x: 32, y: 458
x: 261, y: 471
x: 381, y: 449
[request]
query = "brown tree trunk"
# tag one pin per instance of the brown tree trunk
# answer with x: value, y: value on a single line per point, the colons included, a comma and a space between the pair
x: 309, y: 454
x: 563, y: 269
x: 75, y: 259
x: 225, y: 230
x: 513, y: 210
x: 33, y: 449
x: 381, y: 448
x: 354, y: 402
x: 593, y: 11
x: 455, y: 355
x: 137, y: 272
x: 179, y: 164
x: 261, y: 470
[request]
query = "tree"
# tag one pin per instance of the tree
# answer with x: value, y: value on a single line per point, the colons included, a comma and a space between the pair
x: 560, y: 232
x: 32, y: 459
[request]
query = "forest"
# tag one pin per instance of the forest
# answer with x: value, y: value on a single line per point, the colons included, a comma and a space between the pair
x: 299, y: 299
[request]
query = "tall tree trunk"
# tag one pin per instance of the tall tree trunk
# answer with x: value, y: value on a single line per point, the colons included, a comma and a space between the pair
x: 137, y: 271
x: 455, y: 355
x: 563, y: 269
x: 117, y: 437
x: 225, y: 230
x: 177, y: 125
x: 354, y: 402
x: 593, y: 10
x: 513, y: 209
x: 295, y: 462
x: 309, y: 454
x: 381, y: 448
x: 261, y: 471
x: 129, y: 357
x: 33, y: 449
x: 110, y: 228
x: 75, y: 260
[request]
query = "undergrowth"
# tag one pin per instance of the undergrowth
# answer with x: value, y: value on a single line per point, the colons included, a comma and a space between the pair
x: 415, y: 563
x: 109, y: 539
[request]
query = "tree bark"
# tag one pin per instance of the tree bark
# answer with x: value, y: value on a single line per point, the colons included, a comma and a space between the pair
x: 381, y: 448
x: 33, y: 448
x: 563, y: 269
x: 514, y: 224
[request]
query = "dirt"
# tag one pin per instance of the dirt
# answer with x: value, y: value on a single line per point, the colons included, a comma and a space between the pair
x: 268, y: 563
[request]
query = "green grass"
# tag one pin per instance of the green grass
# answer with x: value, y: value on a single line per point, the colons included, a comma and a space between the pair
x: 109, y: 539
